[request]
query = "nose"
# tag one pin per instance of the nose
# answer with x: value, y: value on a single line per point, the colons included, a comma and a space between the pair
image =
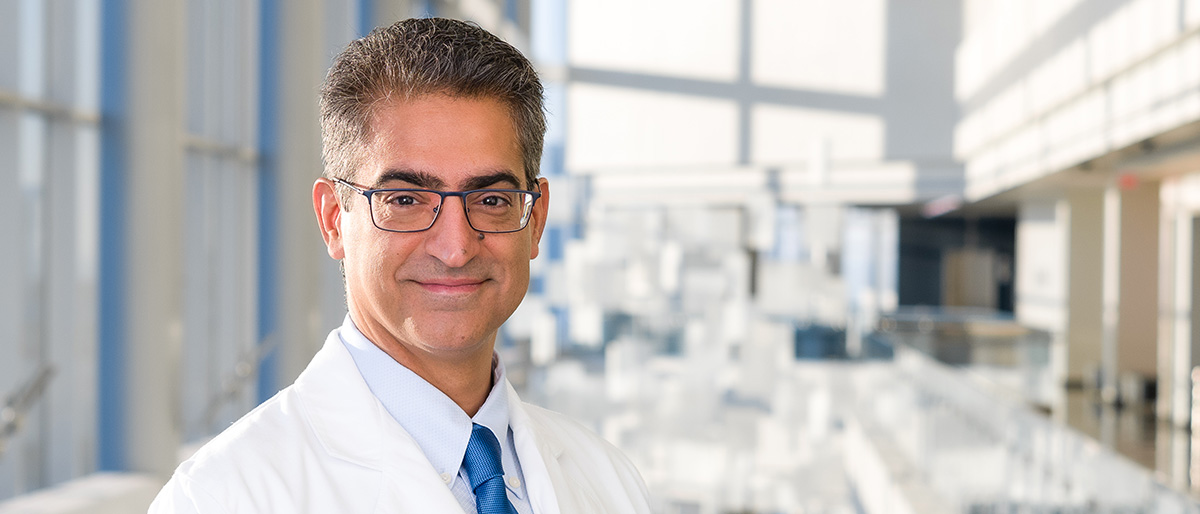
x: 451, y: 238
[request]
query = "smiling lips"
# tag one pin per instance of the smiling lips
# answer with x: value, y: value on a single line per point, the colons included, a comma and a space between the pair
x: 451, y: 285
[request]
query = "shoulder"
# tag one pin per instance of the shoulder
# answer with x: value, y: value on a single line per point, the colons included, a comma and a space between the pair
x: 267, y: 461
x: 270, y: 431
x: 566, y: 431
x: 241, y: 456
x: 313, y: 447
x: 589, y: 461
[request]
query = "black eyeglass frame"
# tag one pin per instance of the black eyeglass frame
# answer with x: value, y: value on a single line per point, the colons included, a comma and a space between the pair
x: 442, y: 201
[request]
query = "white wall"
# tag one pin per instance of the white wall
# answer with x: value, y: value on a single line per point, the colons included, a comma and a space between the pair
x: 1041, y: 264
x: 1048, y: 85
x: 1059, y: 276
x: 612, y: 127
x: 665, y: 37
x: 820, y: 88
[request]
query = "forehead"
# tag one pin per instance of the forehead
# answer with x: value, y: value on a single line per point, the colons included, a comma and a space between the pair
x: 450, y: 139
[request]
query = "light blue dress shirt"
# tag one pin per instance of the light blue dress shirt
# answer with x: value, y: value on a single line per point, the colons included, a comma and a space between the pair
x: 437, y: 424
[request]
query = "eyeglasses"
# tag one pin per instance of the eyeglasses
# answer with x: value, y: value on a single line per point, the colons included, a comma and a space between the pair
x: 491, y: 211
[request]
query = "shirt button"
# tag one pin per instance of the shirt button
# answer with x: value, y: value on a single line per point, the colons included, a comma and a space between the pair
x: 446, y: 477
x: 514, y: 482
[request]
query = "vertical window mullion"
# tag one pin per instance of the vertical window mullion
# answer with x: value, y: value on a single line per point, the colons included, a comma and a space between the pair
x: 245, y: 193
x: 194, y: 386
x: 225, y: 98
x: 12, y: 276
x: 216, y: 240
x: 215, y: 417
x: 59, y: 343
x: 248, y: 257
x: 12, y: 269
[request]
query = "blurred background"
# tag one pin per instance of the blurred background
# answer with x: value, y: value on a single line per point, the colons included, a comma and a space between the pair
x: 853, y: 256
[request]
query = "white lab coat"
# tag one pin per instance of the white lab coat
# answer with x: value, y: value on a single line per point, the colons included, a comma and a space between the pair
x: 326, y: 445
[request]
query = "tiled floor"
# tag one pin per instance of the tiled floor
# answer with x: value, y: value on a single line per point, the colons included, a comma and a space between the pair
x: 1136, y: 433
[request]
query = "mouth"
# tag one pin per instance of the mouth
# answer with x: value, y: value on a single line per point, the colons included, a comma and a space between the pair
x: 451, y: 286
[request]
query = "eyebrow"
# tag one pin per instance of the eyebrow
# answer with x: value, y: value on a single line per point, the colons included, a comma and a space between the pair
x: 417, y: 178
x: 491, y: 179
x: 425, y: 180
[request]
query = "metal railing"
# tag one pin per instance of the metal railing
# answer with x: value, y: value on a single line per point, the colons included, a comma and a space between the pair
x: 960, y: 404
x: 989, y: 453
x: 18, y: 405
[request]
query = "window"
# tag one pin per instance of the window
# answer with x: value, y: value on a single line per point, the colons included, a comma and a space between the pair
x: 49, y: 157
x: 220, y: 356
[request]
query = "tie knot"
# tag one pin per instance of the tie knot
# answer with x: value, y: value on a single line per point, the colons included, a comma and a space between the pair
x: 482, y: 459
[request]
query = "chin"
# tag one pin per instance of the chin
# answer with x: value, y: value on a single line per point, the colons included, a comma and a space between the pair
x: 459, y: 350
x: 455, y: 340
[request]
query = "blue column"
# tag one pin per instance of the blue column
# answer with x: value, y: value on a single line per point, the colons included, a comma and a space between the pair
x: 268, y: 243
x: 366, y: 17
x: 111, y: 451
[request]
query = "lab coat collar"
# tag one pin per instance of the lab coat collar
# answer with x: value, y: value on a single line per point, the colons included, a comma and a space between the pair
x: 350, y: 424
x: 433, y: 420
x: 538, y: 455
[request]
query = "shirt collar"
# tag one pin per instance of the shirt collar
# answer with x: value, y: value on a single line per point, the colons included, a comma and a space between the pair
x: 494, y: 411
x: 435, y: 422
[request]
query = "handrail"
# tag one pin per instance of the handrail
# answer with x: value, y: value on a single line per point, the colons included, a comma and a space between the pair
x: 986, y: 451
x: 18, y: 405
x: 244, y: 370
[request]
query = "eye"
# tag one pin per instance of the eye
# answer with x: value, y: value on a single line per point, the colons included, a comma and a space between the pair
x: 402, y: 200
x: 397, y: 199
x: 495, y: 199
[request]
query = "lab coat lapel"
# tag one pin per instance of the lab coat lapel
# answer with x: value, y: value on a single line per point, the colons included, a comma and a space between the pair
x: 538, y: 452
x: 351, y: 424
x: 412, y: 484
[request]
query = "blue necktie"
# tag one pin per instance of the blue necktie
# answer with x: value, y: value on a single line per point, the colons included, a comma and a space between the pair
x: 482, y: 461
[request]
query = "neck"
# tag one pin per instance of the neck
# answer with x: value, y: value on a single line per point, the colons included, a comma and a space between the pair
x: 465, y: 377
x: 467, y: 385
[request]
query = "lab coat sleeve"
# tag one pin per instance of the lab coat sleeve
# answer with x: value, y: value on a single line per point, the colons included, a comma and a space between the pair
x: 183, y: 496
x: 632, y: 480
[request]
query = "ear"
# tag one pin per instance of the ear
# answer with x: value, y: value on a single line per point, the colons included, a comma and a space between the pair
x: 540, y: 210
x: 328, y: 206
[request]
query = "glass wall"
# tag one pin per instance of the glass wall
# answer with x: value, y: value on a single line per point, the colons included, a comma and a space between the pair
x: 48, y: 222
x: 220, y: 231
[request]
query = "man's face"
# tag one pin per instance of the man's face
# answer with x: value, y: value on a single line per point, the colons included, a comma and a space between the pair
x: 445, y: 291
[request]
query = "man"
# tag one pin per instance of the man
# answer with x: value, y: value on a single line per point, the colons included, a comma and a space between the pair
x: 432, y: 133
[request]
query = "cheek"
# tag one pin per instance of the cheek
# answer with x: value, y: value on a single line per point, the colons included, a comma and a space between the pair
x: 366, y: 253
x: 516, y: 264
x: 382, y: 258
